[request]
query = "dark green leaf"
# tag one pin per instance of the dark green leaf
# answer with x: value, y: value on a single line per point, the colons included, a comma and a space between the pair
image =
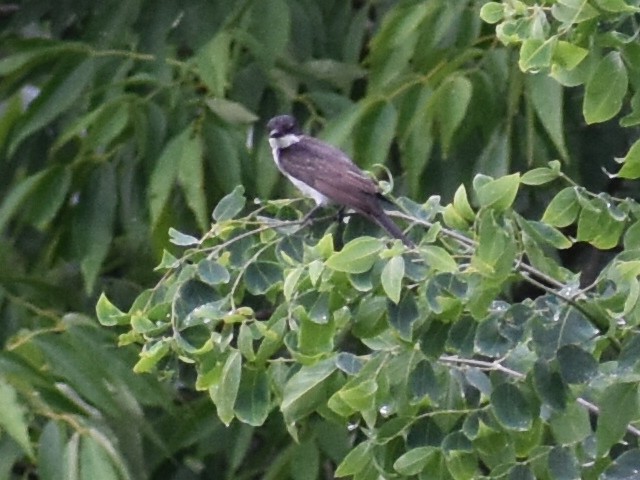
x: 576, y: 365
x: 423, y: 382
x: 305, y: 390
x: 261, y: 276
x: 403, y: 315
x: 618, y: 407
x: 67, y: 83
x: 93, y: 223
x: 453, y: 99
x: 253, y: 401
x: 511, y: 408
x: 625, y: 467
x: 191, y: 178
x: 374, y: 133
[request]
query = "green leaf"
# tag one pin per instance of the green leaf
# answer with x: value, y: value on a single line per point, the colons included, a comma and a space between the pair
x: 511, y: 408
x: 546, y: 95
x: 108, y: 314
x: 182, y: 239
x: 12, y: 418
x: 403, y: 315
x: 261, y: 276
x: 165, y: 172
x: 616, y: 6
x: 151, y: 355
x: 439, y: 259
x: 453, y: 98
x: 536, y: 54
x: 539, y: 176
x: 48, y: 196
x: 357, y: 256
x: 18, y: 195
x: 361, y: 396
x: 563, y: 464
x: 573, y: 11
x: 253, y: 401
x: 597, y: 225
x: 549, y: 386
x: 391, y: 278
x: 492, y: 12
x: 544, y: 233
x: 423, y: 382
x: 271, y: 27
x: 499, y: 193
x: 571, y: 425
x: 305, y: 461
x: 461, y: 204
x: 624, y: 467
x: 95, y: 461
x: 67, y: 84
x: 213, y: 61
x: 306, y: 390
x: 93, y: 222
x: 618, y: 407
x: 51, y: 451
x: 232, y: 112
x: 230, y: 205
x: 567, y: 55
x: 191, y: 178
x: 413, y: 461
x: 631, y: 163
x: 576, y: 365
x: 355, y: 460
x: 563, y: 209
x: 225, y: 392
x: 374, y: 133
x: 212, y: 272
x: 605, y: 89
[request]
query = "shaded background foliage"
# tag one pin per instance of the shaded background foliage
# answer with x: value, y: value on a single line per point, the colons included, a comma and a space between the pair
x: 122, y: 119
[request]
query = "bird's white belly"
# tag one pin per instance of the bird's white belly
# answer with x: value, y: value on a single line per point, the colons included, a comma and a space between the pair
x: 306, y: 190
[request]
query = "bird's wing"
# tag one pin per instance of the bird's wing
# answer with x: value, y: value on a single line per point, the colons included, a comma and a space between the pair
x: 339, y: 178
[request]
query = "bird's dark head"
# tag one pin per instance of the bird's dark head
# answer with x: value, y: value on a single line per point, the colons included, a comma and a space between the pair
x: 283, y: 125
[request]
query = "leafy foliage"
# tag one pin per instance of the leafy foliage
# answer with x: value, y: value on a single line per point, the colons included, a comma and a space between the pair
x: 120, y: 121
x: 426, y: 356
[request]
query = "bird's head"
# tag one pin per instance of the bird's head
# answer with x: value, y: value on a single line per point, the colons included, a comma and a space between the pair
x: 283, y: 125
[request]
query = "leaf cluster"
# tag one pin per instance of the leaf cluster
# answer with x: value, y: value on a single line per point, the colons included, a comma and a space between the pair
x: 426, y: 356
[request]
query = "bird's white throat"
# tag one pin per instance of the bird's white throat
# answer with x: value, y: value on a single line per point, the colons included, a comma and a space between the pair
x: 284, y: 141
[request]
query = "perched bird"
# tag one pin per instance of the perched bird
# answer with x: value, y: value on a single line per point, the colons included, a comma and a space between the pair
x: 326, y: 174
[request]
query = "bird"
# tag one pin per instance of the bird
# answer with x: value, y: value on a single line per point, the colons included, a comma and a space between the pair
x: 326, y: 174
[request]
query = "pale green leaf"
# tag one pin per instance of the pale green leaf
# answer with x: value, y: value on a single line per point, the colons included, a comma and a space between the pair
x: 391, y: 278
x: 12, y: 418
x: 605, y: 89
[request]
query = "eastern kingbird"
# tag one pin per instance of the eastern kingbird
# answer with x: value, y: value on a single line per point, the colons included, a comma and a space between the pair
x: 326, y: 174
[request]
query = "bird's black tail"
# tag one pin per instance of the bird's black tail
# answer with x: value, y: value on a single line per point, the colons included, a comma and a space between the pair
x: 389, y: 225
